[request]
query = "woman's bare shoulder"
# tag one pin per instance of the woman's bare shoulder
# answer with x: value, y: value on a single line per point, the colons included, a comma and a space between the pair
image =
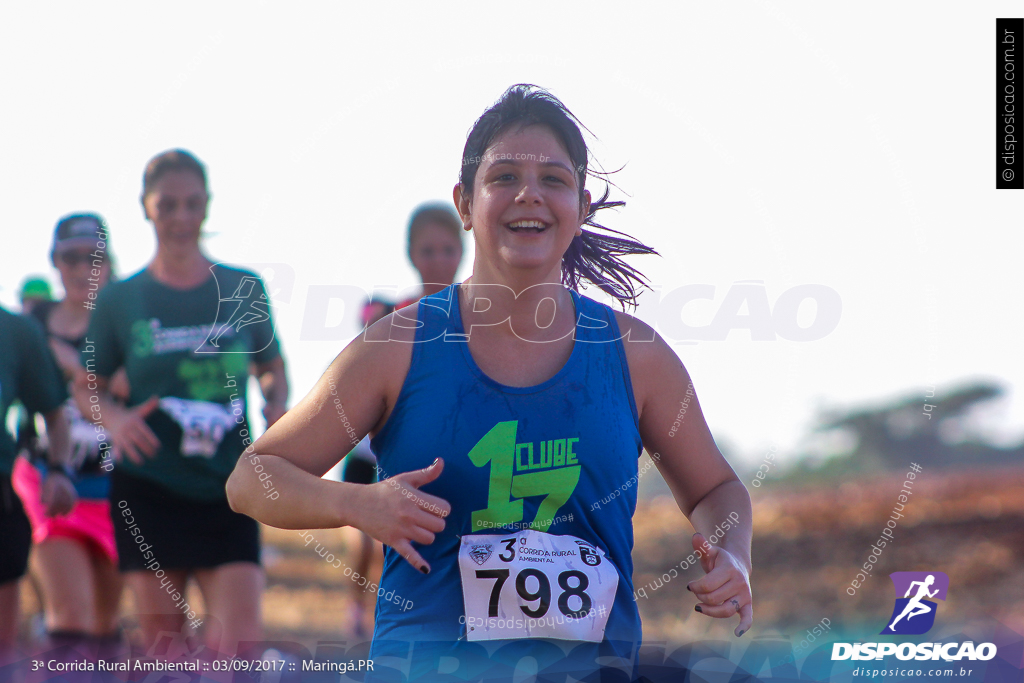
x: 378, y: 360
x: 652, y: 362
x: 387, y: 344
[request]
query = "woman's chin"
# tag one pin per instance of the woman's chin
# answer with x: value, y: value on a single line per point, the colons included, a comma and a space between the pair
x: 179, y: 239
x: 519, y: 261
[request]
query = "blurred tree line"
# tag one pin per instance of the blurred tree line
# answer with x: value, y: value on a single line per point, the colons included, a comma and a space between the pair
x: 936, y: 430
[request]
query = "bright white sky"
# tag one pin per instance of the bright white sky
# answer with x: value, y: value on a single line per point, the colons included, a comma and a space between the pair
x: 789, y: 143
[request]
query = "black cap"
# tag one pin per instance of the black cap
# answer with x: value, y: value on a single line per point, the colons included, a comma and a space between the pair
x: 80, y: 230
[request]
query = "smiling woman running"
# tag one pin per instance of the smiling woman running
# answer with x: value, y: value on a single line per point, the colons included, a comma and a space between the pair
x: 501, y: 409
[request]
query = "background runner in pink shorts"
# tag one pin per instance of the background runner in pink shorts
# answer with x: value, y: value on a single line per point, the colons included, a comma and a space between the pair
x: 88, y: 523
x: 74, y: 559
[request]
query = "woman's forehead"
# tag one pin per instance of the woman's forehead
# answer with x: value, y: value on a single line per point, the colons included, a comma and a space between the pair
x: 179, y: 183
x: 529, y: 135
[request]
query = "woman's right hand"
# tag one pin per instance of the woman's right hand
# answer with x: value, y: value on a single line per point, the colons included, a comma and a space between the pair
x: 397, y: 512
x: 131, y: 436
x: 57, y: 494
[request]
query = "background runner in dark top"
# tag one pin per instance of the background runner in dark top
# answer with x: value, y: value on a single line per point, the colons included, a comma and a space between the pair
x: 28, y: 374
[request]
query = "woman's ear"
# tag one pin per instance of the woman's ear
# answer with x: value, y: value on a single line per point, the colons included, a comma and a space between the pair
x: 462, y: 205
x: 584, y: 210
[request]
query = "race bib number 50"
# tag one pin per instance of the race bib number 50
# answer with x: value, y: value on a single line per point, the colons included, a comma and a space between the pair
x: 533, y: 584
x: 203, y: 424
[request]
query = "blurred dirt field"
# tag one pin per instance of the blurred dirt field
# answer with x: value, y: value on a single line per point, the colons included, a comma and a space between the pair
x: 808, y: 546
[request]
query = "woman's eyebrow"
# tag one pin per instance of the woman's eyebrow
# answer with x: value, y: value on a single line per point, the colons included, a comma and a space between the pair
x: 516, y: 162
x: 557, y: 164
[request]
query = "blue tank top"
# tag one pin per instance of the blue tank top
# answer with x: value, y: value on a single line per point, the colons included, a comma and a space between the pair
x: 585, y: 414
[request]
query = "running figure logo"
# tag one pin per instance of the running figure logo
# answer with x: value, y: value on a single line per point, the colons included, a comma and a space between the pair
x: 913, y: 613
x: 247, y: 310
x: 244, y: 314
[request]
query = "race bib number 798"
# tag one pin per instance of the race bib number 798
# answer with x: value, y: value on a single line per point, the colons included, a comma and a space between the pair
x: 532, y: 584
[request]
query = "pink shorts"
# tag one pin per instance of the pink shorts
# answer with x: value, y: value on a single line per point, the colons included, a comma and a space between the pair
x: 88, y: 522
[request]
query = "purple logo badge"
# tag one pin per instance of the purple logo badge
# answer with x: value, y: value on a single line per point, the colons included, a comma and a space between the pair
x: 914, y: 612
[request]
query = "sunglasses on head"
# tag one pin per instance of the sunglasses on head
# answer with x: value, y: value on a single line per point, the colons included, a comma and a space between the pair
x: 73, y: 258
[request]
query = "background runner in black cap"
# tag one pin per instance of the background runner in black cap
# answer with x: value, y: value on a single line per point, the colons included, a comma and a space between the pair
x: 74, y: 561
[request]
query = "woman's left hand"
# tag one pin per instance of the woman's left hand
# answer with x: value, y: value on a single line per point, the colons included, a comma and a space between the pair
x: 725, y: 590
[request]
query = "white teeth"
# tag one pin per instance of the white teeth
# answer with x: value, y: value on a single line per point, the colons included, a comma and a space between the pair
x: 526, y: 224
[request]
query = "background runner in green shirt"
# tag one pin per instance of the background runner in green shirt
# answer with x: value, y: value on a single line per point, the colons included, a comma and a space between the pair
x: 164, y: 338
x: 189, y: 333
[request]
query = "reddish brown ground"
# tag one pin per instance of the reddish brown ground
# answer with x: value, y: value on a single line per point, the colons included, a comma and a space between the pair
x: 809, y: 543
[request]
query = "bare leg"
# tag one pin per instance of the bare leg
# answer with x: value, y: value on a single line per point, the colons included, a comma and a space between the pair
x: 233, y: 595
x: 107, y: 590
x: 64, y: 570
x: 157, y: 610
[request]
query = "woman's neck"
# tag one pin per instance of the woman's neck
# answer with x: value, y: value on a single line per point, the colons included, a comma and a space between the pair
x: 432, y: 288
x: 180, y: 268
x: 539, y: 309
x: 69, y: 319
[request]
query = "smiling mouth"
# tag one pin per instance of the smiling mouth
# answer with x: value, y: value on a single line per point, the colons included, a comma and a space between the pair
x: 534, y: 227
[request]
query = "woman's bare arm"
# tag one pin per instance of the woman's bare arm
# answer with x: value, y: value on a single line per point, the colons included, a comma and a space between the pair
x: 704, y: 485
x: 354, y: 397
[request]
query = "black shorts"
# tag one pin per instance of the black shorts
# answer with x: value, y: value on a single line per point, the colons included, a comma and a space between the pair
x: 15, y: 533
x: 359, y: 471
x: 180, y: 533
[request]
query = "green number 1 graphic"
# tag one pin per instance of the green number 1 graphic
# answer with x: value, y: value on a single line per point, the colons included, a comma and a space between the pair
x: 498, y: 447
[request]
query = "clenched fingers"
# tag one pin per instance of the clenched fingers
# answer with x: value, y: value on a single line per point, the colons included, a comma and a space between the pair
x: 730, y: 607
x: 731, y: 588
x: 710, y: 583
